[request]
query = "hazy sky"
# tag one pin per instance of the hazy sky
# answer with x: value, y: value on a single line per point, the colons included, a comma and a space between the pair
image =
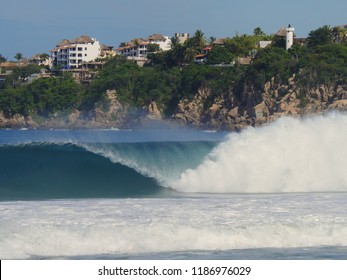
x: 35, y: 26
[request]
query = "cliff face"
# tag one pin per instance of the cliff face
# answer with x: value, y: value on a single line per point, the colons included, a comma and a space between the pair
x: 251, y: 107
x: 109, y: 113
x: 233, y: 110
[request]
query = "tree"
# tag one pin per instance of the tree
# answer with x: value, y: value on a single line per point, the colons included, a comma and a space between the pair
x: 2, y: 59
x: 190, y: 53
x: 122, y: 44
x: 220, y: 55
x: 198, y: 40
x: 18, y: 56
x: 321, y: 36
x: 153, y: 48
x: 241, y: 45
x: 44, y: 56
x: 211, y: 39
x: 258, y: 32
x: 137, y: 44
x: 174, y: 42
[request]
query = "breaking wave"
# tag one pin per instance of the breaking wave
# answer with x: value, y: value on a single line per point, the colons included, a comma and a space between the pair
x: 55, y: 170
x: 290, y: 155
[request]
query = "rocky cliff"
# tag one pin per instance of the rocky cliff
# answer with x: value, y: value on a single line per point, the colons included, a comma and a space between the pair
x: 250, y: 107
x: 234, y: 110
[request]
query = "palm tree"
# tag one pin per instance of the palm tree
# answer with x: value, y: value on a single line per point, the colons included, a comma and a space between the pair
x: 199, y: 41
x: 190, y: 53
x: 122, y: 44
x: 2, y: 58
x: 174, y: 43
x: 258, y: 32
x: 211, y: 40
x: 44, y: 56
x: 137, y: 44
x: 18, y: 56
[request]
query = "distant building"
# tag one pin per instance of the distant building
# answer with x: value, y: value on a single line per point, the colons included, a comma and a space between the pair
x: 219, y: 42
x: 340, y: 33
x: 164, y: 42
x: 137, y: 49
x: 201, y: 58
x: 264, y: 44
x: 40, y: 59
x: 106, y: 52
x: 289, y: 37
x: 70, y: 54
x: 181, y: 37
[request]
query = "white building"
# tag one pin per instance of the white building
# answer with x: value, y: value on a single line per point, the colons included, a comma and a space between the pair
x: 181, y: 37
x: 137, y: 48
x: 71, y: 54
x: 289, y: 37
x: 164, y: 42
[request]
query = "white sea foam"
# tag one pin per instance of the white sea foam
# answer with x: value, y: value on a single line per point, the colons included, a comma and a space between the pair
x: 290, y: 155
x: 91, y: 227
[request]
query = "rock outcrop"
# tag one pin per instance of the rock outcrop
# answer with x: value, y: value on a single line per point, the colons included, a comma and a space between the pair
x: 251, y: 107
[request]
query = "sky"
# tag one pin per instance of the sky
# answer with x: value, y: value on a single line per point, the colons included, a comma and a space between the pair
x: 36, y: 26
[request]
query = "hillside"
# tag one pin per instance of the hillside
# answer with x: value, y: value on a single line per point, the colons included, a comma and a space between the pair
x: 307, y: 79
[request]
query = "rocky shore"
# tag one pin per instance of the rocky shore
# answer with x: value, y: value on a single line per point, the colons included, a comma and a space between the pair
x: 230, y: 111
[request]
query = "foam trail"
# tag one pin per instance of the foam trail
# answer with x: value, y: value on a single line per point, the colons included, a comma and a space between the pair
x: 290, y: 155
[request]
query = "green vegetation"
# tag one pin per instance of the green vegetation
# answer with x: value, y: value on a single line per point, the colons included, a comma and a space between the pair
x: 43, y: 97
x: 173, y: 75
x: 2, y: 59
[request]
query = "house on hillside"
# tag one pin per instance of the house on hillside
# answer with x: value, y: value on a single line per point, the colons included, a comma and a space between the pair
x: 219, y: 42
x: 181, y: 38
x: 137, y: 49
x: 164, y: 42
x: 106, y: 52
x: 70, y: 54
x: 264, y: 44
x: 201, y: 58
x: 41, y: 59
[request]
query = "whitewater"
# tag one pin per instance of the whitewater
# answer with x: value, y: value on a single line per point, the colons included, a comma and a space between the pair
x: 274, y: 192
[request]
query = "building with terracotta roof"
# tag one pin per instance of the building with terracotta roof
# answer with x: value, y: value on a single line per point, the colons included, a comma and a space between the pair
x: 69, y: 54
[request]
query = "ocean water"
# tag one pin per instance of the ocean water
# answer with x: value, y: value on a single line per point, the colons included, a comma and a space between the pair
x: 276, y: 192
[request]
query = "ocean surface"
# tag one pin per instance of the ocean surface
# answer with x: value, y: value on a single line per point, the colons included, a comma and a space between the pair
x: 275, y: 192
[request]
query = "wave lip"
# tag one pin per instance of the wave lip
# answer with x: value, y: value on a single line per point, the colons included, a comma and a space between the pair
x: 290, y: 155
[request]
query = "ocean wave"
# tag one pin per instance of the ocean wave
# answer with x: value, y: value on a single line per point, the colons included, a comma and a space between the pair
x: 290, y: 155
x: 42, y: 170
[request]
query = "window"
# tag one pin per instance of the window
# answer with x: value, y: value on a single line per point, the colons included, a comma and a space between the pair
x: 85, y: 54
x: 85, y: 48
x: 80, y: 49
x: 79, y: 55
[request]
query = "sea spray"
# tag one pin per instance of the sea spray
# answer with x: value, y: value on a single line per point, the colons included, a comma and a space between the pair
x: 290, y: 155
